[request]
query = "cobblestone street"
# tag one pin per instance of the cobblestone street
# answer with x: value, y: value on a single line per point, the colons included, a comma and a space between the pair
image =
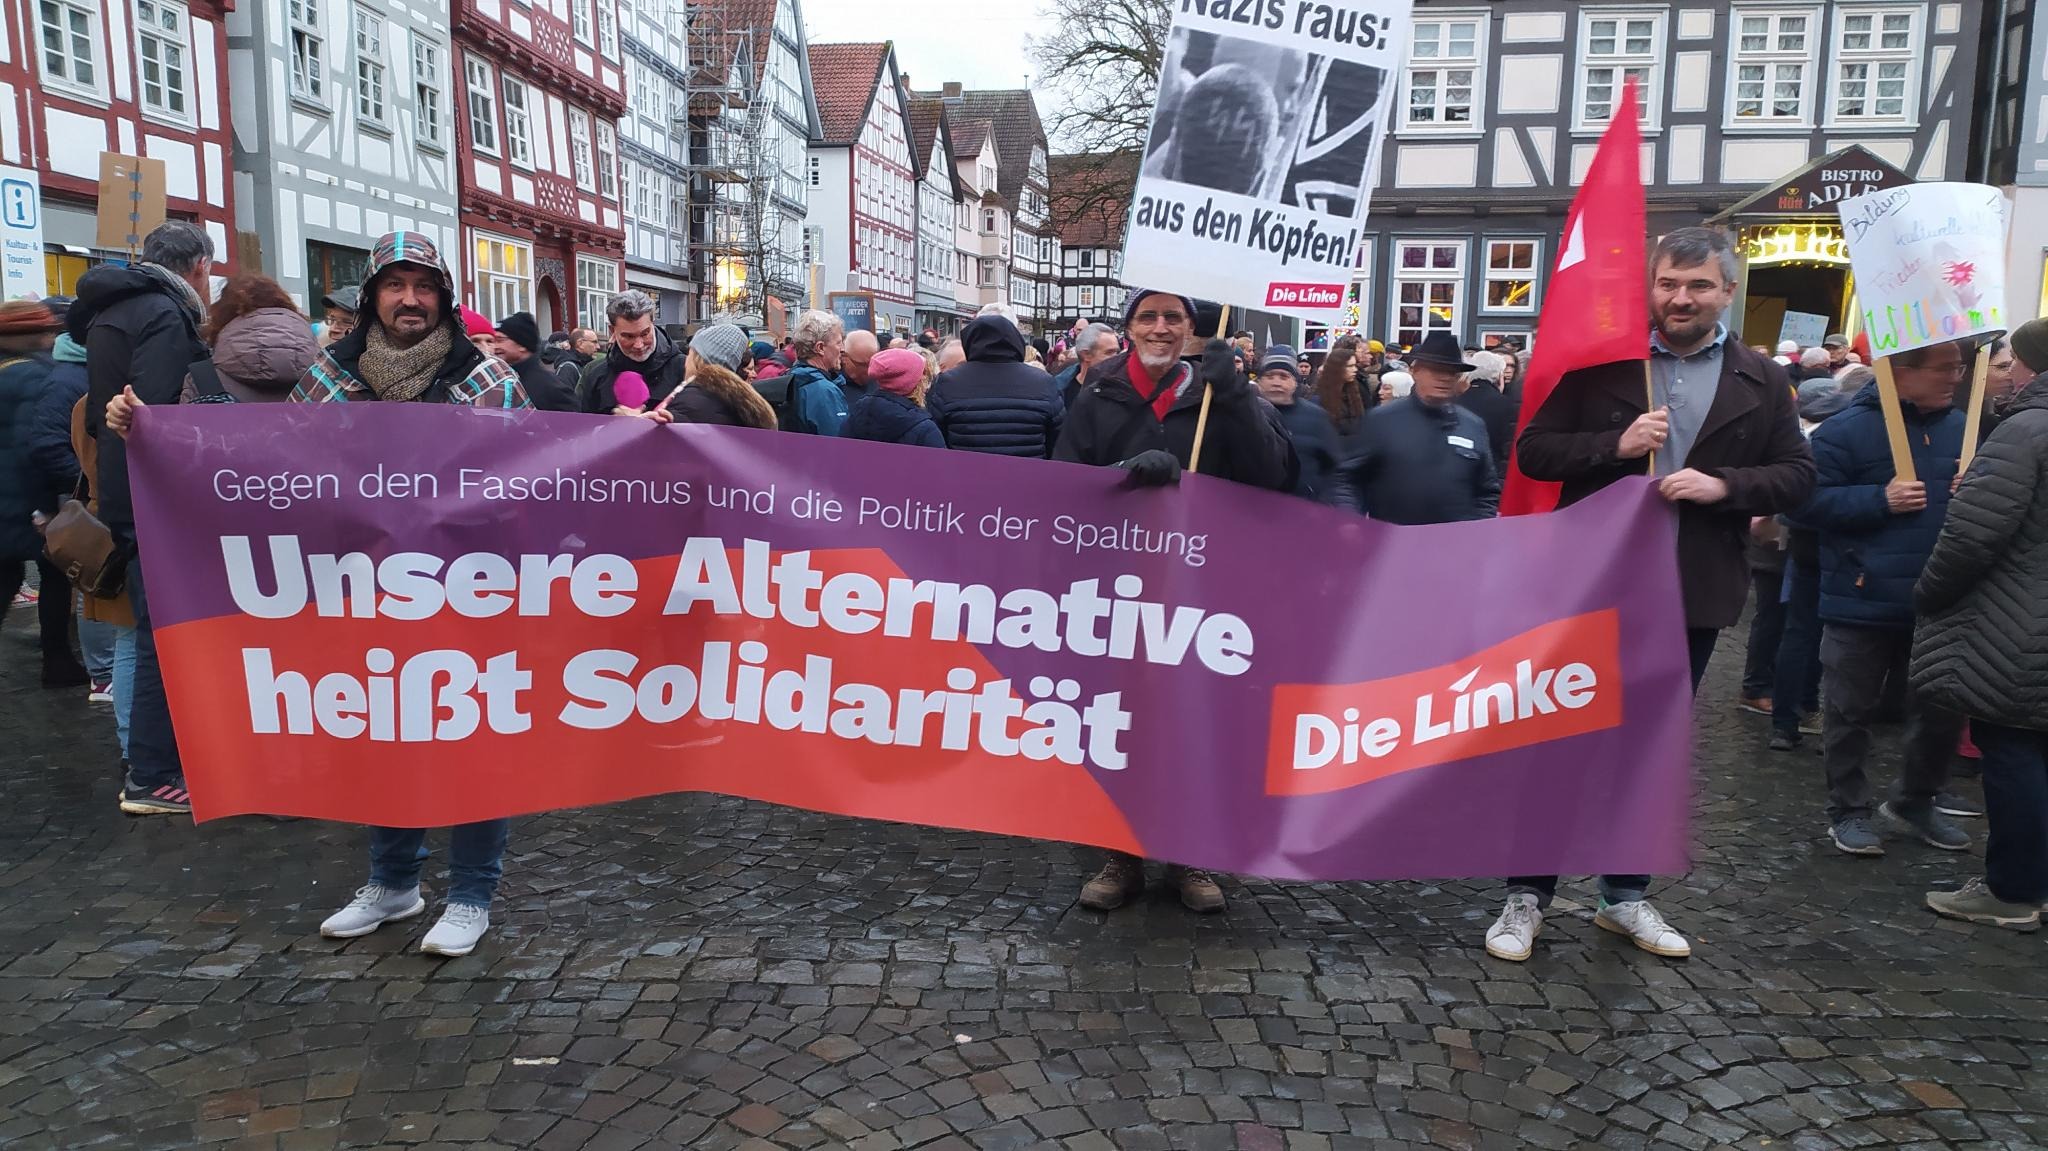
x: 698, y: 972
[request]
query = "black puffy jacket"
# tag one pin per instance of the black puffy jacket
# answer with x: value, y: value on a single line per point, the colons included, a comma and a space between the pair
x: 1982, y: 644
x: 995, y: 402
x: 138, y: 331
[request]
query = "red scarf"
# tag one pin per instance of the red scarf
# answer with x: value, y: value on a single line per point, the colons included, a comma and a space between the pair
x: 1143, y: 382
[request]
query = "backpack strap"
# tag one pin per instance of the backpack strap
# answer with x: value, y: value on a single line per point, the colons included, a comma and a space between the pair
x: 206, y: 383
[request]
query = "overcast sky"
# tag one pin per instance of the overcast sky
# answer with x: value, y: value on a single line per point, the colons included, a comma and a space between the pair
x: 980, y: 43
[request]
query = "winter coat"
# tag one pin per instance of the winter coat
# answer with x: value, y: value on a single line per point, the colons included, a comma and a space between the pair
x: 806, y: 399
x: 1497, y: 412
x: 569, y: 369
x: 1315, y: 445
x: 1751, y: 441
x: 1982, y: 646
x: 1067, y: 383
x: 139, y: 332
x: 662, y: 369
x: 48, y: 432
x: 995, y: 402
x: 888, y: 418
x: 24, y: 490
x: 260, y: 356
x: 1870, y: 558
x: 544, y: 386
x: 1422, y: 465
x: 1111, y: 422
x: 716, y: 396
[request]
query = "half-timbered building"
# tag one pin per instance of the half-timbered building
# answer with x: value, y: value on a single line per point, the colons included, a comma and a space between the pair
x: 541, y: 89
x: 863, y: 184
x: 138, y: 77
x: 2017, y: 147
x: 654, y: 147
x: 344, y: 130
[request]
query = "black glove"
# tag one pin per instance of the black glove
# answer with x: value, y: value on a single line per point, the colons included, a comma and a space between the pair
x: 1153, y: 469
x: 1219, y: 370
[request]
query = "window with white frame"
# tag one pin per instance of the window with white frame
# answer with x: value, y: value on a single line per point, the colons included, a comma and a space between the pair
x: 1874, y: 51
x: 817, y: 171
x: 1444, y: 62
x: 1087, y: 295
x: 504, y: 275
x: 579, y: 148
x: 309, y: 51
x: 70, y: 31
x: 1358, y: 297
x: 1429, y: 288
x: 579, y: 19
x: 160, y: 35
x: 518, y: 124
x: 607, y: 28
x: 607, y: 159
x: 597, y: 281
x: 426, y: 92
x: 483, y: 106
x: 1771, y: 67
x: 369, y: 65
x: 1511, y: 275
x: 1615, y: 47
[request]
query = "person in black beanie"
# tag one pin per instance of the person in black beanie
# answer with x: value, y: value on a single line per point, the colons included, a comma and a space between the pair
x: 521, y: 349
x: 1138, y: 412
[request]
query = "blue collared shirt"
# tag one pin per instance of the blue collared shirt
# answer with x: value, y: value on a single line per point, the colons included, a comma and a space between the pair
x: 1686, y: 385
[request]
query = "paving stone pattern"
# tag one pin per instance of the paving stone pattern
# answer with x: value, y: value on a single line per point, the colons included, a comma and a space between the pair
x: 700, y: 972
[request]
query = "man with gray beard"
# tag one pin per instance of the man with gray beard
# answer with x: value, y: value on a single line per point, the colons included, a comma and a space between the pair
x: 1138, y: 411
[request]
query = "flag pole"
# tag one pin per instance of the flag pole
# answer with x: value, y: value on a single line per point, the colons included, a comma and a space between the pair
x: 1895, y: 422
x: 1650, y: 405
x: 1202, y: 419
x: 1973, y: 424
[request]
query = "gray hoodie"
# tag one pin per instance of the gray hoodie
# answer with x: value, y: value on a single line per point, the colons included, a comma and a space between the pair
x: 260, y: 355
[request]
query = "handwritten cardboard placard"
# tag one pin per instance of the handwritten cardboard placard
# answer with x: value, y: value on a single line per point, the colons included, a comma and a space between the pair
x: 1930, y: 263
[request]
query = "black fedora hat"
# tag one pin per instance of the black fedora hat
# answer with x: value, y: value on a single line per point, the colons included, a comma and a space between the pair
x: 1440, y: 349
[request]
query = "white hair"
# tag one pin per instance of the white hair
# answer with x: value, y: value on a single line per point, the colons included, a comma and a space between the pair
x: 1788, y: 347
x: 1000, y: 309
x: 1488, y: 366
x: 812, y: 329
x: 1814, y: 358
x: 1401, y: 382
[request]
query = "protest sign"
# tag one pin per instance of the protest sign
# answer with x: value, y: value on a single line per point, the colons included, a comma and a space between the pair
x: 416, y: 615
x: 1262, y: 150
x: 1930, y: 267
x: 1929, y: 262
x: 1803, y: 328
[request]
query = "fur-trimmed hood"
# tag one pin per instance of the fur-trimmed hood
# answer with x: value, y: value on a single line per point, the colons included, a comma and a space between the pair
x: 716, y: 396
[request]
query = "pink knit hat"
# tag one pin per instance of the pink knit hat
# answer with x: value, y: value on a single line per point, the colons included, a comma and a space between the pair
x: 897, y: 370
x: 476, y: 324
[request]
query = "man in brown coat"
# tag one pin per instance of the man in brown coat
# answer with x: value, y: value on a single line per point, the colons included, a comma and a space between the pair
x: 1723, y: 437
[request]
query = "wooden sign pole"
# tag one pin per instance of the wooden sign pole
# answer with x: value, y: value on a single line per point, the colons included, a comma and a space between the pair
x: 1202, y: 418
x: 1650, y: 404
x: 1973, y: 422
x: 1894, y: 422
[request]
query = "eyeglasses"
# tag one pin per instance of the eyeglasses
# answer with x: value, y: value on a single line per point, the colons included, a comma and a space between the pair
x: 1161, y: 318
x: 1953, y: 371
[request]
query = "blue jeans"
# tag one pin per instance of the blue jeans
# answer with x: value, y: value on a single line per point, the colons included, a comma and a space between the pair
x: 96, y: 645
x: 124, y: 682
x: 152, y: 742
x: 2016, y: 808
x: 1699, y: 644
x: 476, y: 857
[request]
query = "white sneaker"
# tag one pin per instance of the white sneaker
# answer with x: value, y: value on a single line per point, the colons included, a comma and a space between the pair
x: 375, y: 905
x: 461, y: 925
x: 1641, y: 923
x: 1513, y: 935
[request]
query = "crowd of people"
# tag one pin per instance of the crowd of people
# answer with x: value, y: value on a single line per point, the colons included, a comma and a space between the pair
x: 1870, y: 593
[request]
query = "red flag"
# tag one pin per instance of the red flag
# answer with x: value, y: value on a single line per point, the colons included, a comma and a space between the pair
x: 1595, y: 310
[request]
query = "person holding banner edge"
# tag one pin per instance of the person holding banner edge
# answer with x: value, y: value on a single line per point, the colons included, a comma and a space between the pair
x: 1139, y: 411
x: 1724, y: 440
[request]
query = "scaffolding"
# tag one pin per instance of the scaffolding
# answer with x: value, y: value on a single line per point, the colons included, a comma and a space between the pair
x: 735, y: 244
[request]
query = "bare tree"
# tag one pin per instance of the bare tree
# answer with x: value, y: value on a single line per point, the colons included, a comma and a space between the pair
x: 1101, y: 60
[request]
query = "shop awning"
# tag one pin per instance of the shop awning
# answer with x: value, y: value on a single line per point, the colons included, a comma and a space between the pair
x: 1812, y: 192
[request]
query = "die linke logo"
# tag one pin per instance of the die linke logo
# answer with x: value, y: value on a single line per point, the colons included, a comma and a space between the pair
x: 1549, y: 683
x: 1305, y: 295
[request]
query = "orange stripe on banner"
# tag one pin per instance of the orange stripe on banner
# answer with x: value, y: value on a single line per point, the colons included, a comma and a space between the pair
x: 1553, y: 682
x: 231, y: 770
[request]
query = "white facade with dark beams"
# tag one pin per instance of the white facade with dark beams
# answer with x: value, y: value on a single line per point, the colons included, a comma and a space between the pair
x: 1501, y: 106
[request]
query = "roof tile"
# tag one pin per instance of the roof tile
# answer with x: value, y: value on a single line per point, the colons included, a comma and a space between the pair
x: 844, y: 77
